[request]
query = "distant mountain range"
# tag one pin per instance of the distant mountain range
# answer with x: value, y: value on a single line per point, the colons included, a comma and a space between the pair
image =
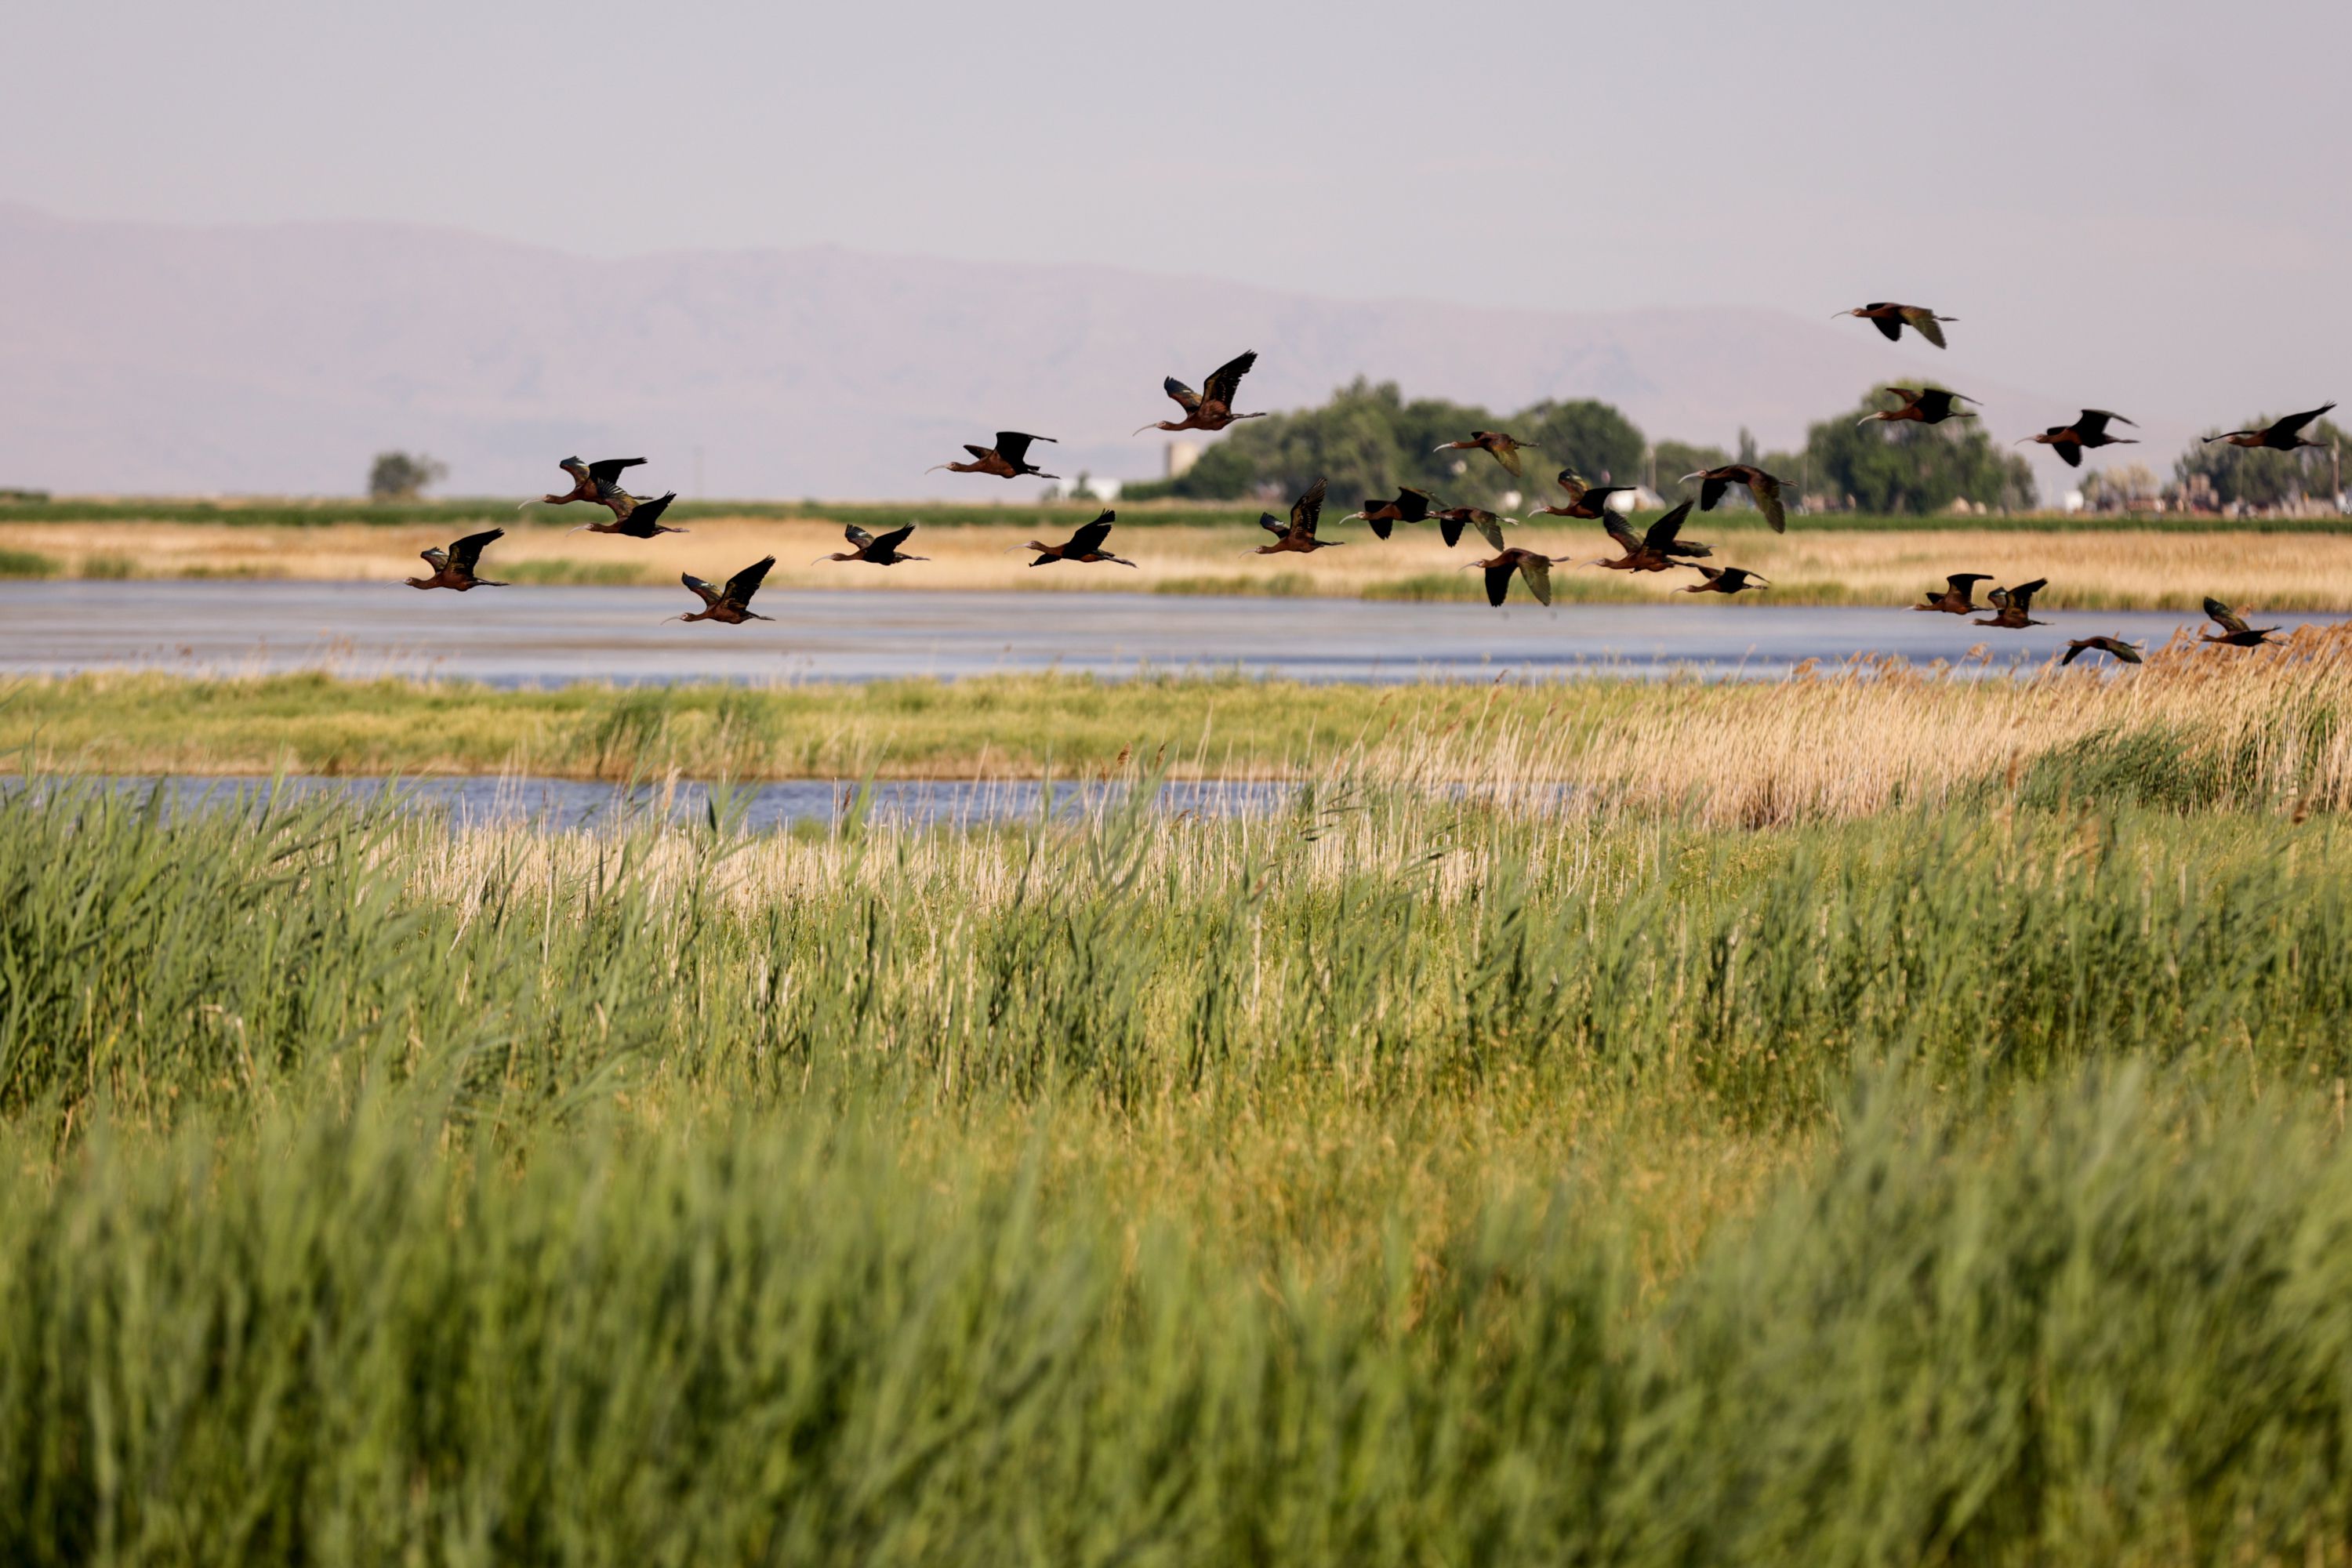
x: 146, y: 358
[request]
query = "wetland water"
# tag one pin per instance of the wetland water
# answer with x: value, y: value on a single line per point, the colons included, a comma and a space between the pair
x: 517, y: 636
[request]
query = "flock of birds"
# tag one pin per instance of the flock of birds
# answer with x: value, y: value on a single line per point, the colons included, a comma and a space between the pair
x: 1659, y: 548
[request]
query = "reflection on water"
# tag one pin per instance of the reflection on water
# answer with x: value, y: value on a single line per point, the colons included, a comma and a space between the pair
x: 561, y: 804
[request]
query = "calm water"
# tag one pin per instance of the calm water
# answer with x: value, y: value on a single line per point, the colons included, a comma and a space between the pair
x: 549, y: 636
x: 571, y: 803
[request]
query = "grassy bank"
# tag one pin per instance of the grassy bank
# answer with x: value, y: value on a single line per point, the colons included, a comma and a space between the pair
x: 1405, y: 1178
x: 2164, y: 564
x: 2195, y: 727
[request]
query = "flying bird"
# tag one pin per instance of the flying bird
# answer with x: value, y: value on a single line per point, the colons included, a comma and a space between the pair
x: 1085, y: 546
x: 453, y: 567
x: 1410, y: 505
x: 874, y: 550
x: 2279, y: 436
x: 2234, y: 630
x: 1714, y: 482
x: 2114, y: 648
x: 2088, y: 433
x: 1504, y: 449
x: 1657, y: 549
x: 642, y: 521
x: 1451, y: 522
x: 1298, y: 535
x: 1958, y: 597
x: 1536, y: 569
x: 1891, y: 318
x: 1727, y: 579
x: 1928, y: 405
x: 1008, y: 460
x: 1588, y: 503
x: 2010, y: 607
x: 1213, y: 408
x: 730, y: 605
x: 599, y: 482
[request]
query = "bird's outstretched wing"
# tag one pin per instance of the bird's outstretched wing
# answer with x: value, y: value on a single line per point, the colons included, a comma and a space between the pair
x: 1449, y: 526
x: 892, y: 540
x: 2069, y: 452
x: 1308, y: 509
x: 437, y: 557
x: 1490, y: 526
x: 2294, y: 423
x: 2022, y: 594
x: 1626, y: 537
x: 1013, y: 446
x: 2075, y: 650
x: 1498, y: 581
x: 1711, y: 491
x: 1536, y: 570
x: 859, y: 538
x: 1089, y: 539
x: 1922, y: 321
x: 979, y: 454
x: 1961, y: 583
x: 644, y: 518
x: 1888, y: 328
x: 1225, y: 381
x: 1186, y: 398
x: 2229, y: 620
x: 1662, y: 532
x: 1275, y: 525
x: 1767, y: 491
x: 1414, y: 506
x: 1507, y: 452
x: 604, y: 471
x: 2093, y: 423
x: 707, y: 593
x: 468, y: 550
x: 574, y: 466
x: 1572, y: 481
x: 1598, y: 500
x: 746, y: 582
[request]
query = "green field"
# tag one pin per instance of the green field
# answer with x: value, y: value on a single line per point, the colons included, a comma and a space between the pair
x: 1596, y: 1121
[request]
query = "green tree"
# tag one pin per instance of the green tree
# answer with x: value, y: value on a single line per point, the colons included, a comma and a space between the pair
x: 402, y: 476
x: 1912, y: 467
x: 2263, y: 479
x: 1589, y: 436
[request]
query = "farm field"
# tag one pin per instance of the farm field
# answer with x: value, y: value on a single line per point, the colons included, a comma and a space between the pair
x: 1764, y: 1151
x: 2092, y: 563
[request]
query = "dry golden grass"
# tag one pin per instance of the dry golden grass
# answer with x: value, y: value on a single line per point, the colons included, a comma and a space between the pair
x: 2149, y: 569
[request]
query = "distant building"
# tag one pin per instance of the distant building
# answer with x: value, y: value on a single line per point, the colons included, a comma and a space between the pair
x: 1181, y: 456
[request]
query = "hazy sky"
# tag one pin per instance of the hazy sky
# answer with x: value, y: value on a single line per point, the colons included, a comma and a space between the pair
x: 2113, y: 198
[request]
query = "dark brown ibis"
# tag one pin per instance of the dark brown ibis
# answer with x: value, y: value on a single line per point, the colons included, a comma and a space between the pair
x: 1085, y: 546
x: 1923, y: 405
x: 1211, y: 408
x: 2279, y: 436
x: 2235, y: 633
x: 1891, y: 318
x: 2010, y: 606
x: 642, y: 521
x: 1453, y: 518
x: 1714, y: 482
x: 2114, y: 648
x: 1298, y: 535
x: 1410, y: 505
x: 1008, y: 460
x: 2088, y: 433
x: 1586, y: 503
x: 1660, y: 548
x: 1504, y: 448
x: 875, y: 550
x: 1724, y: 580
x: 453, y: 567
x: 730, y: 606
x: 599, y: 482
x: 1534, y: 568
x: 1959, y: 596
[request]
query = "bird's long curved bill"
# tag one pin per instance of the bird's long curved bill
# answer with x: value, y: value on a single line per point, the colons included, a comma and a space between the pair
x: 582, y: 529
x: 1141, y: 428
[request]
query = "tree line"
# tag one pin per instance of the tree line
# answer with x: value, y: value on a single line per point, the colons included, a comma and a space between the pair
x: 1368, y: 438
